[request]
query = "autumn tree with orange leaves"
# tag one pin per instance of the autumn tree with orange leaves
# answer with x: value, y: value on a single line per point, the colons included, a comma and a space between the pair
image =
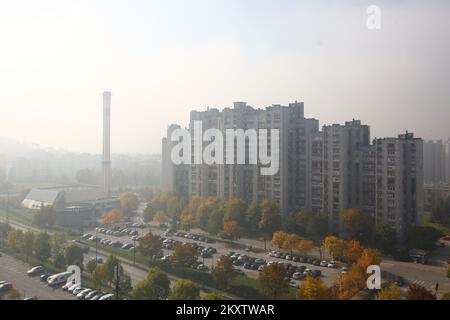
x: 113, y: 217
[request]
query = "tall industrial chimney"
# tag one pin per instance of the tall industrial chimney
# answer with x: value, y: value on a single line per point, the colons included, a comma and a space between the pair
x: 106, y: 163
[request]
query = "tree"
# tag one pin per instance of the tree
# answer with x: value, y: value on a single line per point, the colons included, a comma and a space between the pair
x: 334, y: 246
x: 424, y: 238
x: 100, y: 275
x: 291, y: 242
x: 353, y: 251
x: 270, y: 218
x: 46, y: 216
x: 27, y: 244
x: 252, y: 218
x: 185, y: 290
x: 357, y: 225
x: 313, y: 289
x: 161, y: 217
x: 233, y: 229
x: 91, y: 265
x: 416, y: 292
x: 213, y: 296
x: 156, y: 286
x: 234, y: 210
x: 351, y: 283
x: 385, y: 238
x: 129, y: 202
x: 59, y: 261
x: 390, y: 292
x: 278, y: 239
x: 113, y: 217
x: 184, y: 255
x: 368, y: 258
x: 74, y: 255
x: 150, y: 246
x: 12, y: 239
x: 305, y: 246
x: 42, y: 246
x: 223, y: 272
x: 440, y: 212
x: 273, y: 282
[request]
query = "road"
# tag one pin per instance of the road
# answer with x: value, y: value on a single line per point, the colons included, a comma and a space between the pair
x: 14, y: 271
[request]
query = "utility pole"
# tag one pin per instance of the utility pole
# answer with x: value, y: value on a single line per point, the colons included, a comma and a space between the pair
x: 96, y: 245
x: 116, y: 272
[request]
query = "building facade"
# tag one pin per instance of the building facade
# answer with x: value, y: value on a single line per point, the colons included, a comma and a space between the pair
x: 323, y: 171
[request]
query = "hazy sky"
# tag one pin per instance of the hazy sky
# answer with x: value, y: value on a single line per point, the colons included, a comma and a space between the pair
x: 162, y: 59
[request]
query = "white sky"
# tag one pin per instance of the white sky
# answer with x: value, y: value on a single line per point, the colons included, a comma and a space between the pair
x: 162, y: 59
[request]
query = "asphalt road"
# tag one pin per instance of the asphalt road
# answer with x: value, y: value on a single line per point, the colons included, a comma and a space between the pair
x: 14, y: 271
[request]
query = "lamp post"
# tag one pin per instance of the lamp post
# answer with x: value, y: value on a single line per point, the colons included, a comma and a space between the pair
x: 96, y: 246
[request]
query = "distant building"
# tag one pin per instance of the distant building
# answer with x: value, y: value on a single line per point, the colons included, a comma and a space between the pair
x: 436, y: 161
x: 76, y: 206
x: 435, y: 193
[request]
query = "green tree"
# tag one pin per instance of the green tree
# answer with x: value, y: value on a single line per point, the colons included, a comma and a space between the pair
x: 74, y: 255
x: 91, y: 265
x: 424, y: 238
x: 185, y: 290
x: 59, y: 261
x: 156, y: 286
x: 252, y: 218
x: 223, y: 272
x: 273, y: 282
x: 27, y: 244
x: 357, y: 225
x: 385, y: 238
x: 270, y: 218
x: 42, y: 246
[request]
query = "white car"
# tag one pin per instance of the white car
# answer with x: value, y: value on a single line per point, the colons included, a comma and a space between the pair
x: 331, y: 264
x: 81, y: 295
x: 107, y: 297
x: 323, y: 263
x: 344, y: 270
x: 77, y: 290
x: 73, y: 287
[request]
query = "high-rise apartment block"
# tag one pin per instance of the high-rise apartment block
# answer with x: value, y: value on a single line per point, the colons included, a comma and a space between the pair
x: 437, y: 162
x: 323, y: 171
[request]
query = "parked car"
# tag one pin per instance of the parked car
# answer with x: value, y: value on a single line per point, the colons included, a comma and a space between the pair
x: 202, y: 267
x: 298, y: 276
x: 35, y: 271
x: 293, y: 284
x: 58, y: 279
x: 44, y: 277
x: 73, y: 287
x: 323, y: 263
x: 107, y: 297
x: 316, y: 273
x: 344, y: 270
x: 331, y: 264
x: 5, y: 287
x: 97, y: 296
x: 82, y: 295
x: 400, y: 281
x: 77, y: 290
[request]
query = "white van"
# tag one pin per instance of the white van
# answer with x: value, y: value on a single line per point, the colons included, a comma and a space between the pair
x: 57, y: 279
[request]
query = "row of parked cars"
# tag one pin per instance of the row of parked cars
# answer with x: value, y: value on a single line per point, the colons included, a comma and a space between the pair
x: 301, y: 259
x: 61, y: 280
x: 195, y: 237
x: 112, y: 243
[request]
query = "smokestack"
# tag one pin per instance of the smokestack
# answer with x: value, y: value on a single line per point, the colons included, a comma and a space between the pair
x: 106, y: 163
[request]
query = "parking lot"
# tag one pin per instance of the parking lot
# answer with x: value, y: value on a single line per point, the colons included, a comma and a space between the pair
x: 14, y: 271
x: 249, y: 260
